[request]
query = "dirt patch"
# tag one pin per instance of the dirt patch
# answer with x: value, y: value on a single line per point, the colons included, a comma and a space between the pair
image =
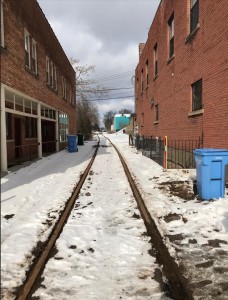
x: 38, y: 249
x: 181, y: 189
x: 205, y: 264
x: 7, y: 217
x: 73, y: 247
x: 171, y: 217
x: 175, y: 237
x: 135, y: 216
x: 216, y: 243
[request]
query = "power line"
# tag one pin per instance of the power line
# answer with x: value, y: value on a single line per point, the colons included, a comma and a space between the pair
x: 107, y: 99
x: 108, y: 89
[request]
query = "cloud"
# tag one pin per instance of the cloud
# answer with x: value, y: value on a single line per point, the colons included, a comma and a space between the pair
x: 104, y: 33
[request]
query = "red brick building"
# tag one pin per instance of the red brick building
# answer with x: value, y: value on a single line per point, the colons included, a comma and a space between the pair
x: 37, y: 85
x: 182, y: 74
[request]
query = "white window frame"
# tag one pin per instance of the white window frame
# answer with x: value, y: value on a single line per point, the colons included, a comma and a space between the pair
x: 63, y: 126
x: 55, y: 79
x: 51, y: 74
x: 64, y: 88
x: 34, y: 56
x: 47, y: 70
x: 2, y: 26
x: 27, y: 49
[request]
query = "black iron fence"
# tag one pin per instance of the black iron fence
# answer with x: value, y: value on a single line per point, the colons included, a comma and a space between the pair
x: 151, y: 147
x: 179, y: 152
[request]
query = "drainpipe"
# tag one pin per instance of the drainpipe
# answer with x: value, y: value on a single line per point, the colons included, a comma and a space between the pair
x: 3, y: 132
x: 39, y: 134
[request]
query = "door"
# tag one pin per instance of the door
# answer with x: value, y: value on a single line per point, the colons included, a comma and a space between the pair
x: 17, y: 137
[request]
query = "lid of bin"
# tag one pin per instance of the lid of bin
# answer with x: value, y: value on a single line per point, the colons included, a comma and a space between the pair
x: 210, y: 151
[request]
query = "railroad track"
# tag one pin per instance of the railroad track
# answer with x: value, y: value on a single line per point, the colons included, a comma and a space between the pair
x: 177, y: 283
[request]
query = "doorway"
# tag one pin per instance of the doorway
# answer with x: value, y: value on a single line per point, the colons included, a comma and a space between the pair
x: 48, y: 137
x: 17, y: 137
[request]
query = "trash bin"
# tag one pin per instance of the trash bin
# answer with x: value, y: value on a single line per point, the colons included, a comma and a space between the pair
x: 72, y: 143
x: 210, y: 172
x: 80, y: 139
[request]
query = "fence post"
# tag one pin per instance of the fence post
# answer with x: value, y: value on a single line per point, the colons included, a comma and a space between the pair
x: 165, y: 152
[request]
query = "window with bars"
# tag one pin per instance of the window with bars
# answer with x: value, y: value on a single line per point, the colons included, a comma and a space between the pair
x: 194, y: 14
x: 155, y: 60
x: 171, y: 36
x: 197, y: 101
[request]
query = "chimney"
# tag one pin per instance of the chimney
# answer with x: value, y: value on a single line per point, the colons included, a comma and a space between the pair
x: 141, y: 47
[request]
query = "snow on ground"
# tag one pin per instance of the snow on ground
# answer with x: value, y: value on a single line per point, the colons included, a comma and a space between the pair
x: 195, y: 231
x: 103, y: 251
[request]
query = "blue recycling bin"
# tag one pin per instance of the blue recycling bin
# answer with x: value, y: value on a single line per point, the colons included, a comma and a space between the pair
x: 210, y: 172
x: 72, y: 143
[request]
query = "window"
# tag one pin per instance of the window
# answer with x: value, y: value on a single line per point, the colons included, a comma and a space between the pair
x: 51, y: 74
x: 194, y: 14
x: 54, y: 78
x: 171, y: 36
x: 63, y: 127
x: 156, y: 113
x: 64, y: 88
x: 30, y: 53
x: 197, y: 95
x: 27, y: 50
x: 155, y: 60
x: 142, y: 81
x: 47, y: 70
x: 34, y: 57
x: 47, y: 112
x: 30, y: 127
x: 8, y: 126
x: 2, y: 26
x: 147, y: 74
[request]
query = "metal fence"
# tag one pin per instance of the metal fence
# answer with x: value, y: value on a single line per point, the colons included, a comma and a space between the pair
x: 179, y: 152
x: 151, y: 147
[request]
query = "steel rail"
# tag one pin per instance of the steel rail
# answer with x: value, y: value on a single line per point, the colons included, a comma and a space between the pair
x: 40, y: 262
x: 178, y: 283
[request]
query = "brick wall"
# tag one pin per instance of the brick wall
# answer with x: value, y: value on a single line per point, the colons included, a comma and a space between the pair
x: 204, y: 56
x: 26, y: 14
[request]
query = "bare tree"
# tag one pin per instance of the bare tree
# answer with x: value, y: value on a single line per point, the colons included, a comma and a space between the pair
x: 86, y: 89
x: 108, y: 119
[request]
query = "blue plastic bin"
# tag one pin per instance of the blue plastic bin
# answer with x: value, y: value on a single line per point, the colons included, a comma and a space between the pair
x: 72, y: 143
x: 210, y: 172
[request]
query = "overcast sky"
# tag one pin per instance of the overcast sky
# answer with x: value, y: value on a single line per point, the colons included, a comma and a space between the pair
x: 104, y: 33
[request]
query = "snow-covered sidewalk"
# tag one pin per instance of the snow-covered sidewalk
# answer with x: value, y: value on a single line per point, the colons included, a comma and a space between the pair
x: 196, y: 232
